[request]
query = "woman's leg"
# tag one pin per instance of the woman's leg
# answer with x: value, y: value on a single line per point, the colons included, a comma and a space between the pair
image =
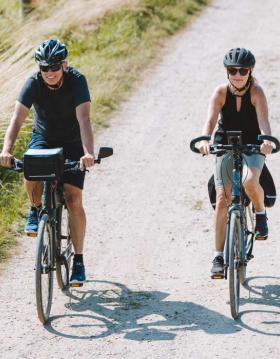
x: 255, y: 192
x: 223, y: 200
x: 253, y: 188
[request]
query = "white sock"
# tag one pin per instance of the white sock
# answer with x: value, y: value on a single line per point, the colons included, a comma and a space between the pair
x: 218, y: 253
x: 262, y: 212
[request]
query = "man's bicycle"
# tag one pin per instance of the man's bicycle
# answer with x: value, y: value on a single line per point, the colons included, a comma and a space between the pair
x: 54, y: 245
x: 240, y: 229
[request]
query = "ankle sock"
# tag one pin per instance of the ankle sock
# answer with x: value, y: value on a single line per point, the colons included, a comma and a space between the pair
x: 33, y: 208
x: 218, y: 253
x: 262, y: 212
x: 78, y: 258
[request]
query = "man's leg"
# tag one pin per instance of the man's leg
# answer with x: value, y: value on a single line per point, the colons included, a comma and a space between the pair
x: 77, y: 223
x: 34, y: 191
x: 77, y: 217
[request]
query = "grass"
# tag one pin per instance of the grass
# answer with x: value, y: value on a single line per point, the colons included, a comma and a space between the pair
x: 112, y: 52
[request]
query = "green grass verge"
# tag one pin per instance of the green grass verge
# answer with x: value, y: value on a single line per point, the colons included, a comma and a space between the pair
x: 112, y: 55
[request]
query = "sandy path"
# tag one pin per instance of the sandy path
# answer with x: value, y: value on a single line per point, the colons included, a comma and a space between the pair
x: 149, y: 239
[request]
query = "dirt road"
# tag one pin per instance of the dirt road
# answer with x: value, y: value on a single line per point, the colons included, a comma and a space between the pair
x: 149, y: 240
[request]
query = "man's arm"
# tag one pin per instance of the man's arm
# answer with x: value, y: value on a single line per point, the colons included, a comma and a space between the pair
x: 16, y: 122
x: 82, y: 113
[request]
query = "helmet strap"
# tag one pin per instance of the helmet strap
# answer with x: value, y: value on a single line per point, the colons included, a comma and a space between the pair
x: 245, y: 87
x: 57, y: 86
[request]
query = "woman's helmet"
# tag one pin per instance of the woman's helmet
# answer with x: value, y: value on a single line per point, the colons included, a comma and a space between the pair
x: 51, y: 52
x: 239, y: 57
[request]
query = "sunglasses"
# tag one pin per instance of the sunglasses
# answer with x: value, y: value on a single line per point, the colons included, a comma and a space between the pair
x: 243, y: 71
x: 51, y: 68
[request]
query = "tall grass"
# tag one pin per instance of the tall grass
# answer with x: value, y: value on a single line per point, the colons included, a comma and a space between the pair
x: 111, y: 52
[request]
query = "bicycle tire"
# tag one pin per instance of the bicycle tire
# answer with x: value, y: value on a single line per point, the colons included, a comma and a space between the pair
x: 64, y: 248
x: 43, y: 270
x: 234, y: 263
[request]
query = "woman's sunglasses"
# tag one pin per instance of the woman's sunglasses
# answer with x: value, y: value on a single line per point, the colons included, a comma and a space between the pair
x: 243, y: 71
x: 52, y: 68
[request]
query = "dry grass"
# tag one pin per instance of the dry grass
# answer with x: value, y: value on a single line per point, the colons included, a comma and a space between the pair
x: 110, y: 47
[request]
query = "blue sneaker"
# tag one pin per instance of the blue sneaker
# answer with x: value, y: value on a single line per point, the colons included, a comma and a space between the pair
x: 78, y: 276
x: 31, y: 226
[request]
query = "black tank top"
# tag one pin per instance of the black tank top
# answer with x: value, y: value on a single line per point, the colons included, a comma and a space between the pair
x: 231, y: 120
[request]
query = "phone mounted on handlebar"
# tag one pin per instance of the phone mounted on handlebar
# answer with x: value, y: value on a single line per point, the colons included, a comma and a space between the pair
x: 234, y: 137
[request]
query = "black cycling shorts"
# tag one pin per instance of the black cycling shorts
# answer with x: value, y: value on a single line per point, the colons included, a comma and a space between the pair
x: 72, y: 151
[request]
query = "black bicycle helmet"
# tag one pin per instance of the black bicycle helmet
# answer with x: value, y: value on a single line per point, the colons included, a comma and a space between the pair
x: 239, y: 57
x: 51, y: 52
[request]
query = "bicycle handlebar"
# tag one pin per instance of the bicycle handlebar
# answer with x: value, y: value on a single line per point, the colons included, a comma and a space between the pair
x: 69, y: 166
x: 248, y: 149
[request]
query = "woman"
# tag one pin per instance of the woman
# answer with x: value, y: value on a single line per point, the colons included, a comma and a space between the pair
x: 242, y: 106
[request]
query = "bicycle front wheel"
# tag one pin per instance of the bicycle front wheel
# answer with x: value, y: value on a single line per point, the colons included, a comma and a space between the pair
x: 44, y: 270
x: 64, y: 248
x: 235, y: 262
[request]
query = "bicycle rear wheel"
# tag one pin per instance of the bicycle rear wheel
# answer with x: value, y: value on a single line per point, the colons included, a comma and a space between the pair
x: 235, y: 263
x: 44, y: 270
x: 64, y: 248
x: 248, y: 234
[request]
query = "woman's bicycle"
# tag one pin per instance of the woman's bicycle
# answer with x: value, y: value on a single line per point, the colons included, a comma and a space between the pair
x: 240, y: 229
x: 54, y: 245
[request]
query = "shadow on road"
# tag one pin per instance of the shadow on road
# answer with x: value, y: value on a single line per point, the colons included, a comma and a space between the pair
x: 114, y: 309
x: 262, y: 293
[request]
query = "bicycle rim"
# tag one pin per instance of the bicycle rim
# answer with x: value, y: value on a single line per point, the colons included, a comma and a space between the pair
x: 43, y: 269
x: 234, y: 264
x: 64, y: 248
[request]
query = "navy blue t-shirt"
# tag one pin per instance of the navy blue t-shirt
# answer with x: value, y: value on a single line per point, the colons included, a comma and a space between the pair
x: 55, y: 110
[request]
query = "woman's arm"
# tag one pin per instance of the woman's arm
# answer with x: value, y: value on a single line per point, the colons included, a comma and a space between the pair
x: 216, y: 103
x: 259, y: 101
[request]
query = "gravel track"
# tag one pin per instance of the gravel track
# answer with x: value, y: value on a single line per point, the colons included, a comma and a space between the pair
x: 149, y: 238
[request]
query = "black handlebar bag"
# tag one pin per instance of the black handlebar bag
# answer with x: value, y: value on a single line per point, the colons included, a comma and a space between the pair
x: 43, y: 164
x: 266, y: 182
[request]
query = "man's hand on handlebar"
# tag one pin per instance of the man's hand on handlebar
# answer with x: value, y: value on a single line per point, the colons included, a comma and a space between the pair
x: 266, y: 147
x: 86, y: 161
x: 5, y: 159
x: 204, y: 147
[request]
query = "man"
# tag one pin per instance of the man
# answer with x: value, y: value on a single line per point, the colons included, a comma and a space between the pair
x: 61, y: 101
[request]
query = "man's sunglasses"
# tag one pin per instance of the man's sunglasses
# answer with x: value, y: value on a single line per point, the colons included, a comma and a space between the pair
x: 243, y: 71
x: 52, y: 68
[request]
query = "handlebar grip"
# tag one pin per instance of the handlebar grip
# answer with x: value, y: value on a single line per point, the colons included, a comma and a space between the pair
x: 272, y: 139
x: 16, y: 165
x: 198, y: 139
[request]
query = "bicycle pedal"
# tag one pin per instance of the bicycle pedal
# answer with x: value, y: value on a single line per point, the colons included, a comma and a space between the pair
x: 30, y: 234
x: 217, y: 276
x: 76, y: 285
x: 261, y: 238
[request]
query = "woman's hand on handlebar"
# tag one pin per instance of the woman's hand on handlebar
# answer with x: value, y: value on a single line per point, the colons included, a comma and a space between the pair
x: 204, y: 147
x: 5, y: 159
x: 266, y: 147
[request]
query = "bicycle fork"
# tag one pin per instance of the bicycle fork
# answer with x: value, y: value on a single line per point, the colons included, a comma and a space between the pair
x: 243, y: 260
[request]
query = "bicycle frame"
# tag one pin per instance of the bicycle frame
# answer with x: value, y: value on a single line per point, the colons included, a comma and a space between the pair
x: 50, y: 208
x: 236, y: 206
